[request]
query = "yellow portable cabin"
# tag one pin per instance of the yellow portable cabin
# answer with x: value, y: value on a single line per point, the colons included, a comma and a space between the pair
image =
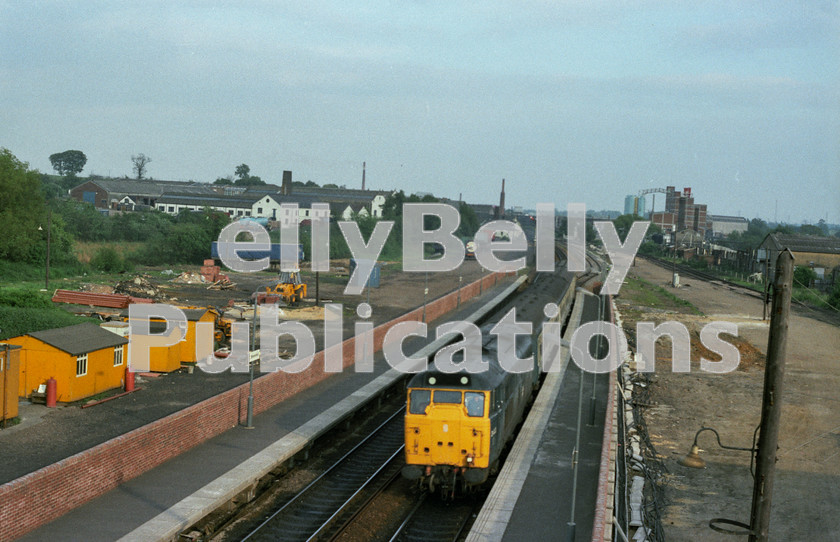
x: 9, y: 376
x: 194, y: 316
x: 84, y: 359
x: 162, y: 359
x: 169, y: 358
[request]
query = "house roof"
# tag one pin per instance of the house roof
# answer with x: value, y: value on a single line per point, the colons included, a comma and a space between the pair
x: 137, y: 187
x: 79, y: 339
x: 339, y: 193
x: 802, y: 243
x: 723, y: 218
x: 194, y: 314
x: 208, y: 200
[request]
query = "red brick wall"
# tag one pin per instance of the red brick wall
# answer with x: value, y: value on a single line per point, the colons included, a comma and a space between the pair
x: 44, y: 495
x: 77, y: 193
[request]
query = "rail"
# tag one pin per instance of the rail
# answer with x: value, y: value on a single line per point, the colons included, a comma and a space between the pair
x: 331, y: 492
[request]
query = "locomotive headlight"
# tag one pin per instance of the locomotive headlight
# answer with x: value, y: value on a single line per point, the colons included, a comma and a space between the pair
x: 469, y: 459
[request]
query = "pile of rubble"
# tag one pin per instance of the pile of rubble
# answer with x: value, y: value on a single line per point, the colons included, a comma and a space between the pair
x: 139, y: 286
x: 96, y: 288
x: 190, y: 277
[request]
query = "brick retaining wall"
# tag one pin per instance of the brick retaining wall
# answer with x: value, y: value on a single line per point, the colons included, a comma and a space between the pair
x: 46, y: 494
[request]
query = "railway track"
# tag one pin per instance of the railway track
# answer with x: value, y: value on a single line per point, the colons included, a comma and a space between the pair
x: 593, y: 273
x: 708, y: 277
x: 432, y: 520
x: 321, y: 508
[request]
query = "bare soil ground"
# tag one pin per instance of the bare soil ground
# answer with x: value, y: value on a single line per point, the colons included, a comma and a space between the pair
x: 806, y: 500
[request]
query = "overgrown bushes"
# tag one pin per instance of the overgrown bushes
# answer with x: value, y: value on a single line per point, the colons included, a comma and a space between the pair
x: 16, y: 321
x: 108, y: 260
x: 24, y: 297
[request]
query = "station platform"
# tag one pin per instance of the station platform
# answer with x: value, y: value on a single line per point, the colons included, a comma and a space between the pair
x: 162, y: 502
x: 533, y: 495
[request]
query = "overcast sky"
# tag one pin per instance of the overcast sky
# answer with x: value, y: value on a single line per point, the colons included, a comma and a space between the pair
x: 570, y: 101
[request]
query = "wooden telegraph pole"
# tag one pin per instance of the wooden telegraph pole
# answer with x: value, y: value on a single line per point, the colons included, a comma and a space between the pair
x: 771, y: 405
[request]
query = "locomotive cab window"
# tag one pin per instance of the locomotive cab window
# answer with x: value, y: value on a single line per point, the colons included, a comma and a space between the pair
x: 448, y: 397
x: 418, y: 401
x: 474, y: 402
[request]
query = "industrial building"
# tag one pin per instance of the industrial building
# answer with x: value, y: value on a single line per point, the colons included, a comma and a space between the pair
x: 722, y: 226
x: 681, y: 213
x: 263, y: 201
x: 132, y: 194
x: 634, y: 205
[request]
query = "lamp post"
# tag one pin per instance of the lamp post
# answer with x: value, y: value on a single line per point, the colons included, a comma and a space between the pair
x: 571, y: 526
x: 249, y: 419
x: 771, y: 408
x: 693, y: 459
x: 425, y: 295
x: 49, y: 229
x: 593, y: 400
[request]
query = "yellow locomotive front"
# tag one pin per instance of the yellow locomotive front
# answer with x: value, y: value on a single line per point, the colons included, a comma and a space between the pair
x: 447, y: 435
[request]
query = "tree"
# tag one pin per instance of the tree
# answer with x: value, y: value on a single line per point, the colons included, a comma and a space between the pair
x: 803, y: 276
x: 223, y: 181
x: 623, y: 224
x: 140, y: 162
x: 249, y: 181
x: 469, y: 221
x: 810, y: 229
x: 68, y: 163
x: 242, y: 171
x: 245, y: 178
x: 823, y: 227
x: 22, y: 209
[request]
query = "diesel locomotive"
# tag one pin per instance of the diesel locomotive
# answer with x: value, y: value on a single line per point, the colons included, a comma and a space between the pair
x: 457, y: 424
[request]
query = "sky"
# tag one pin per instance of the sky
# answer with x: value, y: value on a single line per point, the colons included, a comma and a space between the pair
x: 570, y: 101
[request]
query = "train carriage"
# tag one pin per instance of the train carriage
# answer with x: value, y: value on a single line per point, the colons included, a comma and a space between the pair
x: 457, y: 424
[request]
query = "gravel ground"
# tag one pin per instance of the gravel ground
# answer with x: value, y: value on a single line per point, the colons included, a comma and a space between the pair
x: 45, y: 436
x: 806, y: 496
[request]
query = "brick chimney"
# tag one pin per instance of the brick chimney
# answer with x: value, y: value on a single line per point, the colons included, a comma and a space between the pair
x: 502, y: 201
x: 286, y: 187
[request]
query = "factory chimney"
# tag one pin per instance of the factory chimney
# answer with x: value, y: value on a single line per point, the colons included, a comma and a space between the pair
x: 286, y: 187
x: 502, y: 201
x: 363, y: 175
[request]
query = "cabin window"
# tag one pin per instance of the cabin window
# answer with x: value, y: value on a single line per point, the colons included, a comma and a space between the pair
x: 118, y: 355
x: 81, y: 365
x: 474, y: 402
x: 448, y: 397
x: 418, y: 400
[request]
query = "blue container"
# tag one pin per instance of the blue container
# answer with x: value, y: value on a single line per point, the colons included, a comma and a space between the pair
x: 373, y: 279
